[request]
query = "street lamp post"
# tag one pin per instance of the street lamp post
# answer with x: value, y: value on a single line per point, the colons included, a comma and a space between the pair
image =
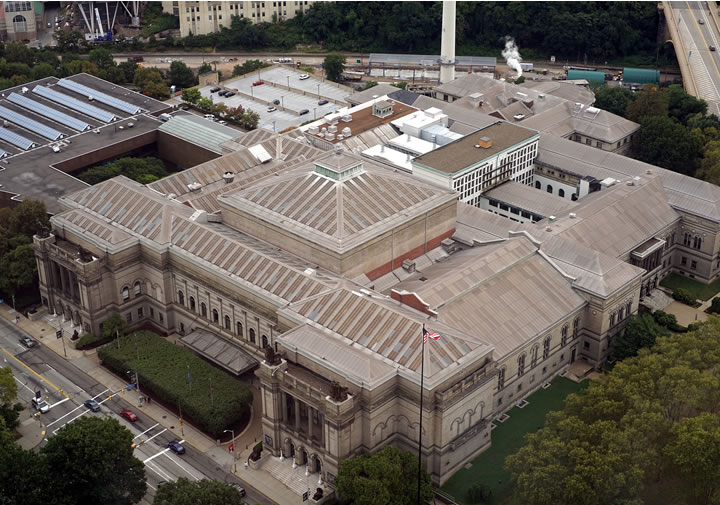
x: 288, y: 81
x: 318, y: 91
x: 273, y: 126
x: 252, y: 94
x: 232, y: 432
x: 282, y: 102
x: 314, y: 115
x: 137, y: 385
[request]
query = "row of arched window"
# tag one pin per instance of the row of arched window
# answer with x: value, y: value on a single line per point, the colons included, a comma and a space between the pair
x: 694, y: 241
x: 549, y: 189
x: 227, y: 323
x: 137, y: 291
x: 545, y: 352
x: 620, y: 313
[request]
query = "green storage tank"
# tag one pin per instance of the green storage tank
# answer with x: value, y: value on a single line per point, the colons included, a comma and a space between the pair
x: 641, y: 76
x: 588, y: 75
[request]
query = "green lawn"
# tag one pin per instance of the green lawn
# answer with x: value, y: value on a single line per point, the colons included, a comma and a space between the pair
x: 507, y: 438
x: 697, y: 289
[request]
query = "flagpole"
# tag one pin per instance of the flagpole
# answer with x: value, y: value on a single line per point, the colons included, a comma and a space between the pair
x: 422, y: 385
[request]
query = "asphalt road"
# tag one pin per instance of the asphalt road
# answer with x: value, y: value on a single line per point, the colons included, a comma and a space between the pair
x: 67, y: 387
x: 697, y: 26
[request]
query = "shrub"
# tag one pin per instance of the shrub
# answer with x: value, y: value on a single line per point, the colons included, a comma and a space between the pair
x: 210, y: 398
x: 91, y: 341
x: 715, y: 306
x: 684, y: 296
x: 479, y: 493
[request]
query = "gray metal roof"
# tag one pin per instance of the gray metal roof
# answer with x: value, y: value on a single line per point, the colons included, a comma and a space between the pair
x: 683, y: 193
x: 531, y: 199
x: 200, y: 131
x: 229, y: 356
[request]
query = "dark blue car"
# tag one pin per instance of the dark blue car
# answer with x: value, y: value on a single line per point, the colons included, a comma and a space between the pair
x: 175, y: 446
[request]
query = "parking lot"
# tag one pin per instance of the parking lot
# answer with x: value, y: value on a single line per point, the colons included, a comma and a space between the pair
x: 302, y: 96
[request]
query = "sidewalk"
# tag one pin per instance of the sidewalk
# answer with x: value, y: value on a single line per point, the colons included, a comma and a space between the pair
x: 44, y: 332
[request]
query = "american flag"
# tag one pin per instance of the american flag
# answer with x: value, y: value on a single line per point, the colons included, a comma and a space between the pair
x: 428, y: 334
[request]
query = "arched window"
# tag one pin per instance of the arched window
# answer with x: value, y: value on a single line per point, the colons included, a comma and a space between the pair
x: 561, y: 193
x: 227, y: 322
x: 239, y: 329
x: 533, y: 356
x: 203, y: 309
x: 628, y: 307
x: 546, y: 347
x: 216, y: 317
x: 126, y: 293
x: 549, y: 189
x: 563, y: 336
x: 501, y: 378
x: 264, y: 341
x: 252, y: 335
x: 137, y: 289
x: 181, y: 298
x: 576, y: 327
x: 19, y: 24
x: 612, y: 319
x: 697, y: 243
x: 686, y: 238
x: 521, y: 365
x: 538, y: 185
x: 621, y: 314
x: 192, y: 303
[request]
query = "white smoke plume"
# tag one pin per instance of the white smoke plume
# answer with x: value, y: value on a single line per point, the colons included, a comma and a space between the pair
x: 512, y: 56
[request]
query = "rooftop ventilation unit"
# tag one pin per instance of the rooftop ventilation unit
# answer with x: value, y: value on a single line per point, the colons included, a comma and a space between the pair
x: 552, y: 219
x: 548, y: 228
x: 194, y: 186
x: 519, y: 117
x: 408, y: 266
x: 332, y: 129
x: 90, y: 98
x: 313, y: 130
x: 329, y: 136
x: 346, y: 131
x: 346, y: 118
x: 24, y: 90
x: 649, y: 171
x: 97, y: 130
x: 573, y: 215
x: 228, y: 177
x: 130, y: 125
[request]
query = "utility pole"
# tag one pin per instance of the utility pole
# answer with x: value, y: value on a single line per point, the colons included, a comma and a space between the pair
x: 232, y: 445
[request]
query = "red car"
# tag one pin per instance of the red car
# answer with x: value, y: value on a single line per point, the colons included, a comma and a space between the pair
x: 258, y: 83
x: 129, y: 415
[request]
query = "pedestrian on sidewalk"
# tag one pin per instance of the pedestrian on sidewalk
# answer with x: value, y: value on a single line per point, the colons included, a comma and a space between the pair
x: 147, y: 400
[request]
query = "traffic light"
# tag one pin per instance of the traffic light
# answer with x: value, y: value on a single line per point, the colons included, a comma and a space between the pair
x: 142, y: 442
x: 133, y: 446
x: 110, y: 397
x: 47, y: 398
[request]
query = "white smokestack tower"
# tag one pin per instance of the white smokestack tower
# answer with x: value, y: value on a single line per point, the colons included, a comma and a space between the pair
x: 447, y: 57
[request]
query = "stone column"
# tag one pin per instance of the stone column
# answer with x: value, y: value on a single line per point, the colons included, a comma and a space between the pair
x: 309, y: 414
x: 284, y: 409
x: 297, y: 414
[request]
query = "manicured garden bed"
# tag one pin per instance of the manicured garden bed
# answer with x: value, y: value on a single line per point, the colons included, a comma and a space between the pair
x: 210, y: 398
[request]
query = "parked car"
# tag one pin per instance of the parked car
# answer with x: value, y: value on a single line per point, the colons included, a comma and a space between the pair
x: 92, y: 405
x: 209, y: 116
x: 271, y: 109
x: 222, y: 122
x: 303, y: 112
x: 40, y: 405
x: 322, y: 102
x: 702, y: 22
x: 258, y: 83
x: 302, y: 77
x: 239, y: 488
x: 185, y: 107
x: 712, y: 48
x: 214, y: 90
x: 276, y: 102
x: 175, y: 446
x: 27, y: 342
x: 228, y: 94
x: 222, y: 93
x: 129, y: 415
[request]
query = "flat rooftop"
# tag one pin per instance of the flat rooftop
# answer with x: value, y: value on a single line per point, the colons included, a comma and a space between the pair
x: 363, y: 120
x: 462, y: 153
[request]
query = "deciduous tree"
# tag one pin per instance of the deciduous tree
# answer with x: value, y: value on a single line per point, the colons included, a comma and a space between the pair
x: 667, y: 143
x: 92, y: 462
x: 200, y: 492
x: 613, y: 99
x: 181, y: 75
x: 191, y: 95
x: 334, y: 66
x: 641, y: 332
x: 388, y: 477
x: 101, y: 57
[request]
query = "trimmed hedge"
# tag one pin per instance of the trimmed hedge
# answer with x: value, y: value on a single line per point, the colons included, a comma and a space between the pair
x: 163, y: 370
x: 91, y: 341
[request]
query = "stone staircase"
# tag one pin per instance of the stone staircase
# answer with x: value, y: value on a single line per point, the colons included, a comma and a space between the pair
x: 293, y: 478
x: 658, y: 300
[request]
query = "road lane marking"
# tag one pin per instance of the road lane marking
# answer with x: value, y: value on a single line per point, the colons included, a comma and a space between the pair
x: 58, y: 403
x: 697, y: 25
x: 181, y: 466
x: 166, y: 476
x: 150, y: 428
x: 155, y: 435
x: 65, y: 415
x: 24, y: 385
x: 37, y: 374
x: 73, y: 410
x: 156, y: 455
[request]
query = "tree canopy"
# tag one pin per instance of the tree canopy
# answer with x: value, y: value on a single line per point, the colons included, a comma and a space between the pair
x: 388, y: 477
x: 181, y: 76
x: 334, y: 66
x: 200, y: 492
x: 649, y: 427
x: 641, y: 331
x: 667, y: 143
x: 613, y: 99
x: 92, y: 461
x: 143, y: 170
